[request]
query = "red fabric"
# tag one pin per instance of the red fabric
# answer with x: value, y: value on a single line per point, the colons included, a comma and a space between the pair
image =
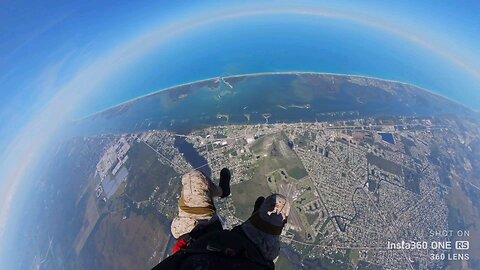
x: 181, y: 244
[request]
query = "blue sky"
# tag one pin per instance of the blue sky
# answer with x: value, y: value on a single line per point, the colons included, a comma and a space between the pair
x: 49, y: 39
x: 64, y: 60
x: 44, y: 38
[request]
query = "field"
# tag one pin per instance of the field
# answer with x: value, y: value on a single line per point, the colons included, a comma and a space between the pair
x: 134, y: 243
x: 146, y: 172
x: 277, y: 170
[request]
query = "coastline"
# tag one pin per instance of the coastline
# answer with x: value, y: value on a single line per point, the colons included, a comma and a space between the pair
x: 274, y: 73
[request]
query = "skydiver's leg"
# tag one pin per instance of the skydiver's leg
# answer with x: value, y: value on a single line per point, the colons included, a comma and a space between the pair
x: 223, y: 188
x: 196, y: 210
x: 258, y: 203
x: 225, y: 177
x: 265, y: 225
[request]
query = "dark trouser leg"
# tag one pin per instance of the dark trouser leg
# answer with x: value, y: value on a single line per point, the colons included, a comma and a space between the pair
x: 214, y: 226
x: 258, y: 203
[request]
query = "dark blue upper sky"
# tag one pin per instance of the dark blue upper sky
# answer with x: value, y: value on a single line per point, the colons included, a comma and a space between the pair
x: 64, y: 60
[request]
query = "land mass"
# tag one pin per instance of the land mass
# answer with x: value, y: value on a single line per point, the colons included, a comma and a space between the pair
x: 364, y: 162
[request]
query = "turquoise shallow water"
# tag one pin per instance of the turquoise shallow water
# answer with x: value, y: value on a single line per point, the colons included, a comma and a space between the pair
x: 284, y: 43
x: 283, y: 97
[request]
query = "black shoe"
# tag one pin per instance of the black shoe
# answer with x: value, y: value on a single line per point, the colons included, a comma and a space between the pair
x: 225, y: 177
x: 258, y: 203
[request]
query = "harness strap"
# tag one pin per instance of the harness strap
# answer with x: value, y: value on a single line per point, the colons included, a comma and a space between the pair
x: 190, y: 251
x: 231, y: 246
x: 206, y: 210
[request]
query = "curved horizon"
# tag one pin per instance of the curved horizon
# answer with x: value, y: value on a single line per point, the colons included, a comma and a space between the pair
x: 23, y: 150
x: 149, y: 42
x: 173, y: 87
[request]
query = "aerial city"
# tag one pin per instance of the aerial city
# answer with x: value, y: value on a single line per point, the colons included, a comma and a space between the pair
x: 367, y: 135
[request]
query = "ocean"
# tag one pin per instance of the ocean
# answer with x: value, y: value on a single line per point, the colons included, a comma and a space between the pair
x: 267, y: 98
x: 282, y: 44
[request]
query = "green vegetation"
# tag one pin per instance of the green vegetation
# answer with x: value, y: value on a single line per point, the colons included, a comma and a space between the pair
x: 272, y: 155
x: 362, y: 265
x: 229, y: 151
x: 284, y: 264
x: 340, y: 262
x: 324, y: 225
x: 385, y: 164
x: 146, y: 172
x: 297, y: 172
x: 274, y: 148
x: 354, y: 256
x: 245, y: 194
x: 302, y: 141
